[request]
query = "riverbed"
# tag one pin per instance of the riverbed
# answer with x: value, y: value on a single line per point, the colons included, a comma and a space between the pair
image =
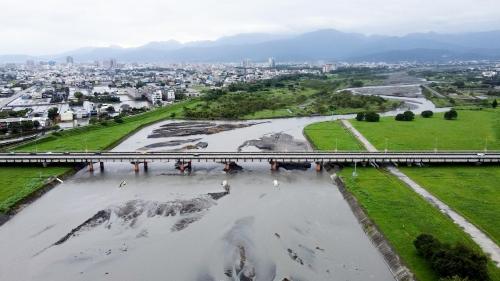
x: 164, y: 225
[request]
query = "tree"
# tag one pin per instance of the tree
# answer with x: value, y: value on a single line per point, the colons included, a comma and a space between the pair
x: 110, y: 109
x: 78, y: 95
x: 405, y: 116
x: 494, y: 104
x: 52, y: 113
x: 360, y: 116
x: 427, y: 114
x: 450, y: 261
x: 357, y: 84
x: 372, y: 116
x: 27, y: 125
x: 459, y: 84
x: 451, y: 115
x: 36, y: 124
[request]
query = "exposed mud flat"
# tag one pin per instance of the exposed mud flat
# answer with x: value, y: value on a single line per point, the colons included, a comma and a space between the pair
x: 190, y: 128
x: 168, y: 143
x: 276, y: 142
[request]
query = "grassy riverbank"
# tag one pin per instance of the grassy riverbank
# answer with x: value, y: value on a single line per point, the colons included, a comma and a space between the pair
x: 402, y: 215
x: 102, y: 137
x: 20, y: 182
x: 472, y: 191
x: 471, y: 131
x: 331, y: 135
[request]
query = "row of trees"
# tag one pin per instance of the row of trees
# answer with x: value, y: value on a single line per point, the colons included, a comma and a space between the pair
x: 452, y: 261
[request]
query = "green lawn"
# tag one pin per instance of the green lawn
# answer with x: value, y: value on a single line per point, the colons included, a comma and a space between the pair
x: 330, y: 135
x: 471, y: 131
x: 101, y: 137
x: 472, y: 191
x: 20, y: 182
x: 402, y: 215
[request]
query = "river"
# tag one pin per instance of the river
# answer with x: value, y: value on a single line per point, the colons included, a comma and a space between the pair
x: 161, y: 225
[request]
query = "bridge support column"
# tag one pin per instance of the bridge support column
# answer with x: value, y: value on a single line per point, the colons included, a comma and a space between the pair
x: 101, y: 166
x: 319, y: 167
x: 274, y: 165
x: 91, y: 167
x: 136, y: 167
x: 44, y: 164
x: 145, y: 166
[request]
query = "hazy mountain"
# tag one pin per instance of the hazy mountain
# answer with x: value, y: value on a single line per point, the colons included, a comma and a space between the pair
x: 326, y: 44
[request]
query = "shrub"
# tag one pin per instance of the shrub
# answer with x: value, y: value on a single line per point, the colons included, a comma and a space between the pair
x: 400, y: 117
x: 458, y: 261
x: 427, y: 114
x: 451, y: 115
x: 372, y: 116
x: 494, y: 104
x: 360, y: 116
x: 118, y: 119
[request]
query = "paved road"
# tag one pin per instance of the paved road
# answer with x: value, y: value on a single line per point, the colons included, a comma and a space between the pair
x: 434, y: 92
x: 10, y: 99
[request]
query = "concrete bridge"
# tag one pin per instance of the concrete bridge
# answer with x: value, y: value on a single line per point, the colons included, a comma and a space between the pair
x: 184, y: 160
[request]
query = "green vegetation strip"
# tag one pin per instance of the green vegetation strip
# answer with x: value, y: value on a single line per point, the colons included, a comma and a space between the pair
x: 331, y: 135
x: 20, y: 182
x: 473, y: 130
x: 402, y: 215
x: 102, y: 137
x: 471, y: 191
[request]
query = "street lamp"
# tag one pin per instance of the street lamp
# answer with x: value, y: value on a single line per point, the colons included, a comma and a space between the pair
x: 386, y: 144
x: 336, y: 144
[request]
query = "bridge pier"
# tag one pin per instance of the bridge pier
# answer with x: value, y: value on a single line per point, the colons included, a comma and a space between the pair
x: 319, y: 167
x: 274, y: 165
x: 136, y: 167
x: 44, y: 164
x: 101, y: 166
x: 145, y: 166
x: 183, y: 166
x: 90, y: 166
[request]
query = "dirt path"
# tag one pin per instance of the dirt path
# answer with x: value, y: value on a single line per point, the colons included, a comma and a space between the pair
x: 486, y: 244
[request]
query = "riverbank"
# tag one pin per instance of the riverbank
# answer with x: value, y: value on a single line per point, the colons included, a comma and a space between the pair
x: 376, y: 190
x: 22, y: 183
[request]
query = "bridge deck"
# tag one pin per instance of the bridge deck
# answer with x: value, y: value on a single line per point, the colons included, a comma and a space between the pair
x: 337, y: 157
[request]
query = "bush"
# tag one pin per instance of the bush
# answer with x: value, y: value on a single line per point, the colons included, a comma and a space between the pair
x: 360, y: 116
x: 93, y: 120
x: 427, y: 114
x: 372, y: 116
x: 400, y: 117
x: 118, y: 119
x: 458, y: 261
x: 494, y: 104
x: 451, y: 115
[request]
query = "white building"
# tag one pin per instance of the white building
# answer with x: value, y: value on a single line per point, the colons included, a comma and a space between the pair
x: 170, y: 95
x: 329, y: 67
x: 67, y: 115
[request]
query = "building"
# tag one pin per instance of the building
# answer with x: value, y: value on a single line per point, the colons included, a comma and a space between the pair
x: 329, y: 68
x: 170, y: 95
x: 67, y: 115
x: 271, y: 62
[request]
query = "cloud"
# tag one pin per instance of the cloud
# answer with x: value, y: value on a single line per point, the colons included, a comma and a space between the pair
x: 49, y: 26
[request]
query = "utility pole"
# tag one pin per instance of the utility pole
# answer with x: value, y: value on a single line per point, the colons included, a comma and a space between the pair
x: 336, y: 144
x: 386, y: 144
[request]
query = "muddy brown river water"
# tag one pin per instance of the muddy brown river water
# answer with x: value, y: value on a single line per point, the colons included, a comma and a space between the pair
x: 161, y: 225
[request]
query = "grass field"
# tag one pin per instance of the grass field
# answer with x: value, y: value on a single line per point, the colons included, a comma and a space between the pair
x: 101, y: 137
x: 20, y: 182
x: 330, y: 135
x: 402, y: 215
x: 471, y: 131
x: 474, y: 192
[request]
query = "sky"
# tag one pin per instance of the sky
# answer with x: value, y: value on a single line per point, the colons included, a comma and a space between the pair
x: 40, y: 27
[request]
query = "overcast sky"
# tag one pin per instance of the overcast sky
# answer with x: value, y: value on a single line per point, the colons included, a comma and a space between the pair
x: 51, y: 26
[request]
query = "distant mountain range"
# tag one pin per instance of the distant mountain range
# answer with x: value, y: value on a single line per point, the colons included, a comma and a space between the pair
x: 328, y: 45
